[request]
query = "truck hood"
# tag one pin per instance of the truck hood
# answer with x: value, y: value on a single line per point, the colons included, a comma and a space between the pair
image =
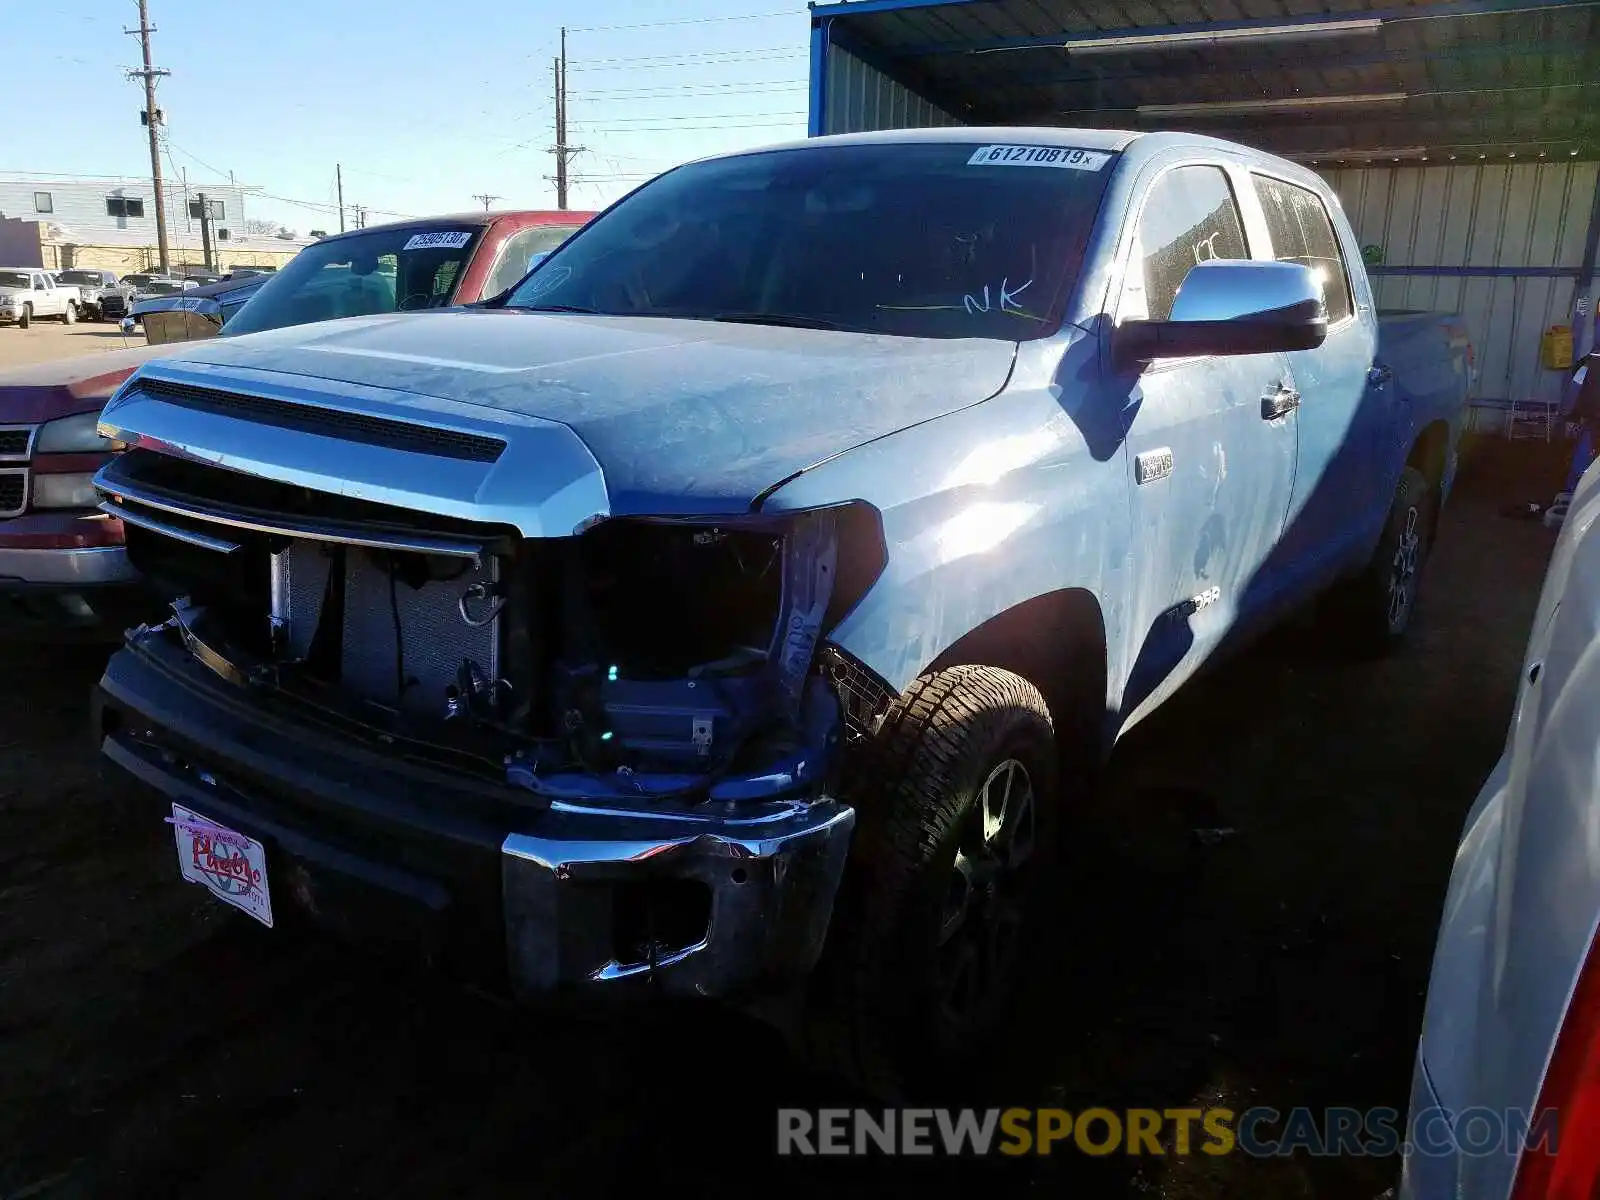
x: 43, y: 391
x: 682, y: 417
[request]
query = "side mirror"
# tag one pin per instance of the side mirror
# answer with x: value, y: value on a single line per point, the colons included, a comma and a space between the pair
x: 126, y: 325
x: 1232, y: 307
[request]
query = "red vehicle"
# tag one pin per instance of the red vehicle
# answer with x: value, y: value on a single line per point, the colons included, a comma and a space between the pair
x: 61, y: 559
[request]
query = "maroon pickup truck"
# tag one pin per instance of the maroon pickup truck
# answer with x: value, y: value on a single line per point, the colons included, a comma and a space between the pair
x: 61, y: 559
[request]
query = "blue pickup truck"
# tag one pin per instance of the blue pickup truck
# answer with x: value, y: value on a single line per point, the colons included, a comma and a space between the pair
x: 739, y: 605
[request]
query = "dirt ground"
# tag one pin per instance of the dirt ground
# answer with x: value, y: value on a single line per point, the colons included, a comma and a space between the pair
x: 151, y: 1045
x: 48, y: 340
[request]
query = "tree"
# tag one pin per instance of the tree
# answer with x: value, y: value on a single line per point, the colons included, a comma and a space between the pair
x: 256, y: 227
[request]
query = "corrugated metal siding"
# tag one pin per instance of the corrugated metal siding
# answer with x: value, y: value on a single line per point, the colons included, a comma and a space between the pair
x: 1480, y: 215
x: 861, y: 97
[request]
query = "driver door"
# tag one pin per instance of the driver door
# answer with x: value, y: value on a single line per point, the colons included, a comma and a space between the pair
x: 1211, y: 475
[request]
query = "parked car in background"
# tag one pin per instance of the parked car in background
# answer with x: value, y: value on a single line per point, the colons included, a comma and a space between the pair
x: 115, y: 305
x: 194, y: 313
x: 425, y: 263
x: 1511, y: 1032
x: 157, y: 288
x: 27, y: 293
x: 93, y: 286
x: 736, y: 606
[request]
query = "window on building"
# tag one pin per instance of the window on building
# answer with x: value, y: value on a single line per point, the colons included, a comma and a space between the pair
x: 1189, y: 218
x: 124, y: 206
x: 1302, y: 232
x: 218, y: 209
x: 44, y: 202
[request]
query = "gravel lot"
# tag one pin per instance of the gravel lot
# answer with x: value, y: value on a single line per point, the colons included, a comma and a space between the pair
x: 45, y: 341
x: 151, y: 1044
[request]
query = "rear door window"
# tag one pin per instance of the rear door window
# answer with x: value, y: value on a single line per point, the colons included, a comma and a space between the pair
x: 1189, y: 217
x: 1302, y: 232
x: 516, y: 255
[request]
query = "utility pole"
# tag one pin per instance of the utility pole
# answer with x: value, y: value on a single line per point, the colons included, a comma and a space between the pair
x: 562, y: 150
x: 338, y: 178
x: 486, y: 197
x: 207, y: 238
x: 153, y: 119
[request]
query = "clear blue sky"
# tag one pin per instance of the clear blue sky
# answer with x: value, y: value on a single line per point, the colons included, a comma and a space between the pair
x: 424, y: 103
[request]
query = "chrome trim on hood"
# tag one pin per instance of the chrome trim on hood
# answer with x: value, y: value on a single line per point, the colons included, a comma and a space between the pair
x: 189, y: 536
x: 120, y: 492
x: 545, y: 484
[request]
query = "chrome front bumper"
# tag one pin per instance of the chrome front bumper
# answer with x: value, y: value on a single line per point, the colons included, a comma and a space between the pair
x: 90, y: 566
x: 714, y: 900
x: 769, y: 874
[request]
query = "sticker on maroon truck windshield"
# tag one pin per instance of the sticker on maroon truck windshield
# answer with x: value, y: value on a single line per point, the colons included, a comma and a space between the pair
x: 1038, y: 156
x: 434, y: 241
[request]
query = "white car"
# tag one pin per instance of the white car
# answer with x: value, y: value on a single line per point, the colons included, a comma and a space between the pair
x: 27, y: 292
x: 1505, y: 1097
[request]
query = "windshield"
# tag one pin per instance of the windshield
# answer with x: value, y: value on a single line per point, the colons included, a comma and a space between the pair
x: 920, y: 240
x: 79, y: 277
x: 15, y: 279
x: 381, y: 271
x: 157, y: 287
x: 137, y: 280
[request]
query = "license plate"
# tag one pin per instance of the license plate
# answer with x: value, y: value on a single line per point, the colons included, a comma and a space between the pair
x: 230, y: 866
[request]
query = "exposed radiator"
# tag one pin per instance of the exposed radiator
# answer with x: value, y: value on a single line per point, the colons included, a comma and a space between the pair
x: 434, y: 637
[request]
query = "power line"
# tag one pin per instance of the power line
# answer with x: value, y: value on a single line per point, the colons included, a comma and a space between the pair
x: 678, y: 66
x: 791, y: 12
x: 166, y: 139
x: 666, y: 91
x: 695, y: 55
x: 683, y: 128
x: 692, y: 117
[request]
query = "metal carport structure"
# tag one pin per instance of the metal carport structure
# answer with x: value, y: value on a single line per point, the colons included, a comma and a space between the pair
x: 1463, y: 136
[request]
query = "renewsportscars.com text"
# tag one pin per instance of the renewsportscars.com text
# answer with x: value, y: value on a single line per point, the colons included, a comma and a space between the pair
x: 1258, y: 1132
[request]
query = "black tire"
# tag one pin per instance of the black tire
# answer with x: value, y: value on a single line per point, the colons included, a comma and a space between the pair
x: 69, y: 314
x: 941, y: 883
x: 25, y: 317
x: 1376, y: 607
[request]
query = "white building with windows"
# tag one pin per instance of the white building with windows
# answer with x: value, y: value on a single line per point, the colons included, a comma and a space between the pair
x: 58, y: 221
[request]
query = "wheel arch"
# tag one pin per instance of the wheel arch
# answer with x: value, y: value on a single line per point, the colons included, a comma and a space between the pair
x: 1429, y: 454
x: 1057, y: 642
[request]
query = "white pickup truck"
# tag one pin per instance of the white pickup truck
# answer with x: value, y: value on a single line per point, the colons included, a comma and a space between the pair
x: 27, y: 292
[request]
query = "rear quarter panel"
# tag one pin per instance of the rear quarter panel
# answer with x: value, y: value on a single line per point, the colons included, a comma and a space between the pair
x: 1428, y: 353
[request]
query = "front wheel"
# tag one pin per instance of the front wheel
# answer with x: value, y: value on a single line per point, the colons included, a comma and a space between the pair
x: 1376, y: 607
x: 69, y: 314
x: 25, y: 317
x: 956, y: 823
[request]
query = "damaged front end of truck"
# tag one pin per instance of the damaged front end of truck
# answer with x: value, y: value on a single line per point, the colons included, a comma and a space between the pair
x: 598, y: 747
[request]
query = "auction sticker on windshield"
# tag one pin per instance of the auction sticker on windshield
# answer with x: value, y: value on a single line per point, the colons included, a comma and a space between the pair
x: 1038, y: 156
x: 232, y: 867
x: 432, y: 241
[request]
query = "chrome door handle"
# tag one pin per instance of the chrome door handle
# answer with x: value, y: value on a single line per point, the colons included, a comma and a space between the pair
x: 1282, y: 402
x: 1380, y: 375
